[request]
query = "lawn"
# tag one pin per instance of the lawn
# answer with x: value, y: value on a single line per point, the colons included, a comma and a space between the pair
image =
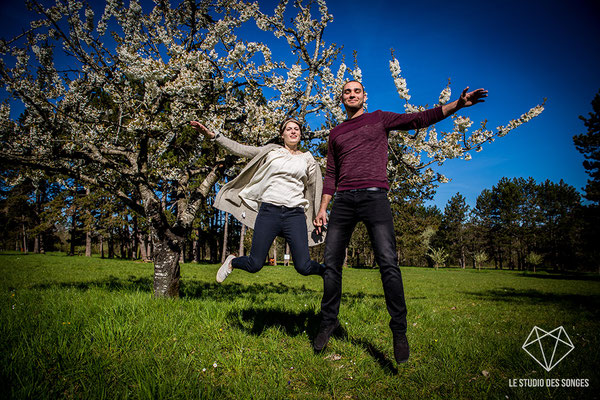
x: 77, y: 327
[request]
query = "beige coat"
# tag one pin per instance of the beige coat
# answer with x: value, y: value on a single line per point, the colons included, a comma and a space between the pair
x: 228, y: 199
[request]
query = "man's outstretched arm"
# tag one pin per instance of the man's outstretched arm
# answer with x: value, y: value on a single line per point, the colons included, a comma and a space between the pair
x: 465, y: 100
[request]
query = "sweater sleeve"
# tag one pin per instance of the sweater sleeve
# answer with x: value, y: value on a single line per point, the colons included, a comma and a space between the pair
x: 314, y: 187
x: 330, y: 182
x: 405, y: 122
x: 237, y: 148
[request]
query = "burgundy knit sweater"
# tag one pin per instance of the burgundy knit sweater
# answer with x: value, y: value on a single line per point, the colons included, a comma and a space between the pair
x: 358, y: 148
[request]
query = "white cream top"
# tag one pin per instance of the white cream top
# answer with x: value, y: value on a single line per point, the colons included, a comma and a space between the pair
x: 280, y: 180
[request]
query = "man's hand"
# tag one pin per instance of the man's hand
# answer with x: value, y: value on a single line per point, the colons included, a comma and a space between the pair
x: 202, y: 129
x: 320, y: 221
x: 465, y: 100
x: 474, y: 97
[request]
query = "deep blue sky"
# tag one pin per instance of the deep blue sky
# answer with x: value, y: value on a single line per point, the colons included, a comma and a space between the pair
x: 521, y: 51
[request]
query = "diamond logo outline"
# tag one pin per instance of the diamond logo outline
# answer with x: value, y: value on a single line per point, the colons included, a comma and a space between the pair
x: 551, y: 363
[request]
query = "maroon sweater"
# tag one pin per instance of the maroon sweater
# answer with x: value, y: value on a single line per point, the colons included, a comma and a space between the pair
x: 357, y: 153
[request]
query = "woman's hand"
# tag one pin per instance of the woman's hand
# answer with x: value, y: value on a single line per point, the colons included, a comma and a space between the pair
x: 202, y: 129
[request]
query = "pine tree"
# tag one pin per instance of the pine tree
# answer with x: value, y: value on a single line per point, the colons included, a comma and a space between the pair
x: 589, y: 145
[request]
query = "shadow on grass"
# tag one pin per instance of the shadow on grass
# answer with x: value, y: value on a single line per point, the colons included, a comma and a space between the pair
x: 215, y: 291
x: 255, y: 321
x: 576, y: 302
x: 567, y: 276
x: 385, y: 363
x: 112, y: 283
x: 195, y: 289
x: 192, y: 289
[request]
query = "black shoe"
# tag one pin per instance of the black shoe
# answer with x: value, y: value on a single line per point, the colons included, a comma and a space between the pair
x: 401, y: 351
x: 325, y: 332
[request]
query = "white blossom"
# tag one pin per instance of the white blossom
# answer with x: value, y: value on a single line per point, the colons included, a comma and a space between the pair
x: 445, y: 95
x: 439, y: 146
x: 399, y: 81
x: 158, y: 78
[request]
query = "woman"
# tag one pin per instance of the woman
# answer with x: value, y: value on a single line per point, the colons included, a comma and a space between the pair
x: 275, y: 194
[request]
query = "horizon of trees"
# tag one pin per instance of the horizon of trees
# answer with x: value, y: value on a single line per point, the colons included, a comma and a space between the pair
x: 517, y: 224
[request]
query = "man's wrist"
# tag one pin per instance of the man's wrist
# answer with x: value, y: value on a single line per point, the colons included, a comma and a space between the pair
x: 450, y: 108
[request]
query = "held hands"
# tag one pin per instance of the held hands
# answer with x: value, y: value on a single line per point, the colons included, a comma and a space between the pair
x: 474, y: 97
x: 320, y: 222
x: 202, y: 129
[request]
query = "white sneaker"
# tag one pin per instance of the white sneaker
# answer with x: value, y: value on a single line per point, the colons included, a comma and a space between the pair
x: 225, y: 269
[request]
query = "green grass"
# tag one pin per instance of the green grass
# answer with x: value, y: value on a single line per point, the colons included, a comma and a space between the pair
x: 76, y: 327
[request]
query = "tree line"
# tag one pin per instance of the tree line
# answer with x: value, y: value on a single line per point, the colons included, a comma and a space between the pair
x: 517, y: 224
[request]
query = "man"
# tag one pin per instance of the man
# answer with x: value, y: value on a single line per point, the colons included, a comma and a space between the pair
x: 357, y: 173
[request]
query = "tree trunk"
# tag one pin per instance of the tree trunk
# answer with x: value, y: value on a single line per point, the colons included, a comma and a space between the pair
x: 24, y: 236
x: 166, y: 269
x: 150, y: 251
x: 40, y: 198
x: 143, y: 244
x: 182, y: 252
x: 122, y: 247
x: 73, y: 225
x: 39, y: 244
x: 286, y: 257
x: 225, y: 233
x: 196, y: 247
x: 88, y: 244
x: 111, y: 249
x: 214, y: 250
x: 242, y: 235
x: 168, y: 240
x: 346, y: 258
x: 88, y: 231
x: 101, y: 245
x: 135, y: 239
x: 124, y: 242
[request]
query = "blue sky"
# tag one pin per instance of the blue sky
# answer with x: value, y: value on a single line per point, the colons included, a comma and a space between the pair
x: 521, y: 51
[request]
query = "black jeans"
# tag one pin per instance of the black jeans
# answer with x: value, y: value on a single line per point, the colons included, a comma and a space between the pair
x: 273, y: 221
x: 373, y: 208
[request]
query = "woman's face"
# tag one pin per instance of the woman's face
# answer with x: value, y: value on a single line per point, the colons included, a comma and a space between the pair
x: 291, y: 134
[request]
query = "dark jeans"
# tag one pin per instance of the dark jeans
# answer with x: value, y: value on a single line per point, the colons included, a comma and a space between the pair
x: 273, y: 221
x: 373, y: 208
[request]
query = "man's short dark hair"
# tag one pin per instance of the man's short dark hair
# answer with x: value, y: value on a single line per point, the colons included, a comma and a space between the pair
x: 353, y: 80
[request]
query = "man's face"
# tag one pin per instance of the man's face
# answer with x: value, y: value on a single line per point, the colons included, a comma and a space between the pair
x: 353, y: 96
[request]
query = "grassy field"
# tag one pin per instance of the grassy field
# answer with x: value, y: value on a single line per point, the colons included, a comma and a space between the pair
x: 76, y: 327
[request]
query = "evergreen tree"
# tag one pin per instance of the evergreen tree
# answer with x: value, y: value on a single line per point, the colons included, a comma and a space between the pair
x: 559, y: 208
x: 452, y: 229
x: 589, y: 145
